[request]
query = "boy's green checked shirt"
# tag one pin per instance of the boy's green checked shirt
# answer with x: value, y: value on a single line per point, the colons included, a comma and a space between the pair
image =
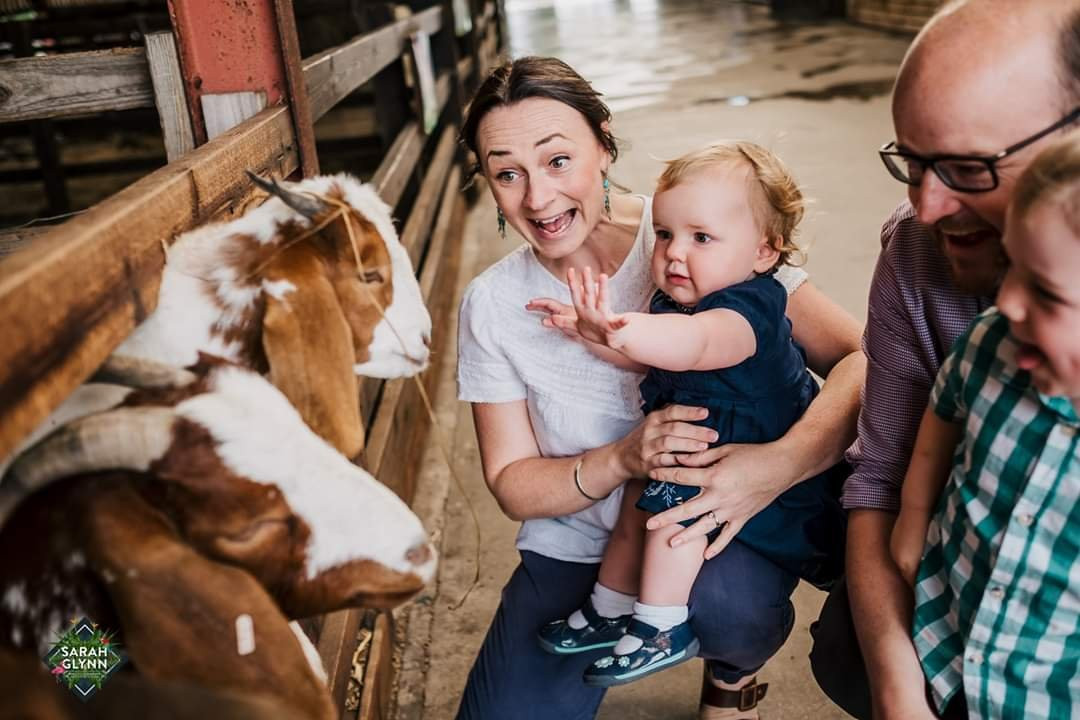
x: 998, y: 594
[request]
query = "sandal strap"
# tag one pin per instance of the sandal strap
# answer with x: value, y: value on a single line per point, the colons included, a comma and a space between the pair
x: 745, y: 698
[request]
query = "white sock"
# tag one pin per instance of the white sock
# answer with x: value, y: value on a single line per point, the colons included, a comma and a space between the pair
x: 608, y: 603
x: 661, y: 617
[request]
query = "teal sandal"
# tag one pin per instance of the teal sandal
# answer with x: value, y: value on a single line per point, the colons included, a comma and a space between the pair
x: 661, y: 649
x: 559, y: 638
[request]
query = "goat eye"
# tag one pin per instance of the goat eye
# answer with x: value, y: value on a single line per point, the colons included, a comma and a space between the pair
x: 373, y: 276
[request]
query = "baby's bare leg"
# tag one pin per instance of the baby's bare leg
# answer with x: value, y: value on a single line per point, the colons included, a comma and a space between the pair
x: 668, y: 573
x: 621, y: 567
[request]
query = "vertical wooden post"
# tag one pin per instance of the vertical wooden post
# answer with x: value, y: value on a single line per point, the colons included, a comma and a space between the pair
x: 294, y: 76
x: 169, y: 94
x: 41, y: 131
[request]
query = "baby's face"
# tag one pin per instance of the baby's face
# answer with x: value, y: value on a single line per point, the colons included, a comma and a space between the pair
x: 706, y: 236
x: 1041, y: 297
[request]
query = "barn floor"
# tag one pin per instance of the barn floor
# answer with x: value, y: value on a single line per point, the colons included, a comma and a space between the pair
x: 677, y: 75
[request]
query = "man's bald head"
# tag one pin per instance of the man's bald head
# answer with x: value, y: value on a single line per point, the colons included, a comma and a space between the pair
x: 981, y: 77
x: 1004, y: 39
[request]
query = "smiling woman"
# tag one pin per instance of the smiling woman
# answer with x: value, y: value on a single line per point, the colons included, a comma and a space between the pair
x: 561, y: 431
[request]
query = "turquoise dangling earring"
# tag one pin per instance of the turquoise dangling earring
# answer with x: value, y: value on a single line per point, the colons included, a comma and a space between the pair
x: 607, y: 197
x: 502, y: 223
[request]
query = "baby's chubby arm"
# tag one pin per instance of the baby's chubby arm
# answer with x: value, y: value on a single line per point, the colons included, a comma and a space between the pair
x: 707, y: 340
x: 562, y: 317
x: 931, y: 461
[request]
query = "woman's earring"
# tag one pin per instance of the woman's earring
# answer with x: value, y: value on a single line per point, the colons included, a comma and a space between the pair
x: 502, y: 223
x: 607, y: 197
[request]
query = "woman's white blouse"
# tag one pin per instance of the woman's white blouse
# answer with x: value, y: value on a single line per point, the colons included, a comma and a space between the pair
x: 575, y: 401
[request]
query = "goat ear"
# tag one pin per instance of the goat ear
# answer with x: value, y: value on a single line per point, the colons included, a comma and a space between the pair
x: 309, y: 347
x: 159, y: 579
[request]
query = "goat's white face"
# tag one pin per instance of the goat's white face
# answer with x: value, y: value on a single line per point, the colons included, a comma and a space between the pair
x: 350, y: 515
x: 399, y: 345
x: 210, y: 295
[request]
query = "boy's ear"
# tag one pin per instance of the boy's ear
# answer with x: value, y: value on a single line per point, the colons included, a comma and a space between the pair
x: 767, y: 255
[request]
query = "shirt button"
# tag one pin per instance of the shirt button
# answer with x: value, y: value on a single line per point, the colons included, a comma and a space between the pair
x: 975, y: 658
x: 1026, y: 520
x: 997, y: 592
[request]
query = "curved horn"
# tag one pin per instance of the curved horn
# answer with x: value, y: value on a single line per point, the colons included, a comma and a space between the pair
x: 127, y: 437
x: 306, y: 205
x: 136, y: 372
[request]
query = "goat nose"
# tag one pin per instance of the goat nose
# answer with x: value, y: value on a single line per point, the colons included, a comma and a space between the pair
x: 426, y: 337
x: 419, y: 555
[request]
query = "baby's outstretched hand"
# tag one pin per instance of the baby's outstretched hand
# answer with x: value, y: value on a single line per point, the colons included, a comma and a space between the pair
x: 559, y: 315
x: 595, y: 320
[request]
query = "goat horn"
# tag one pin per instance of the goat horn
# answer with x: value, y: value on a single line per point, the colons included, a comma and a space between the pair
x: 306, y: 205
x: 123, y: 438
x: 136, y: 372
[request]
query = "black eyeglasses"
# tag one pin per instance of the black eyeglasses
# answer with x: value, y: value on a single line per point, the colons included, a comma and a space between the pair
x: 962, y: 173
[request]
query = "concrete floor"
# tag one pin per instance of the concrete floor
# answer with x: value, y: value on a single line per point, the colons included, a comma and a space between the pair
x: 677, y: 75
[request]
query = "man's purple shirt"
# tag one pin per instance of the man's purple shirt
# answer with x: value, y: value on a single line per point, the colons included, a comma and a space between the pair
x: 914, y: 315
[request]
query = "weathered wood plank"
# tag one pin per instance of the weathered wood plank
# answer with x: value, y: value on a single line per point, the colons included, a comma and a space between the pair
x: 18, y: 238
x: 336, y: 72
x: 337, y: 641
x: 427, y: 201
x: 224, y: 111
x: 169, y: 94
x: 411, y: 425
x: 74, y: 84
x: 65, y: 306
x: 375, y: 696
x: 393, y: 174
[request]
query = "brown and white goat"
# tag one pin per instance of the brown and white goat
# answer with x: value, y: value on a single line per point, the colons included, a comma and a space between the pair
x: 294, y: 288
x: 192, y: 504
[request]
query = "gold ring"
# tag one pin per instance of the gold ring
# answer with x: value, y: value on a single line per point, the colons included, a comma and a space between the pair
x: 712, y: 514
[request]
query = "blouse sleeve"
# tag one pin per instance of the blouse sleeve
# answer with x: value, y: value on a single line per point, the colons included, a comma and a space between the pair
x: 484, y: 373
x: 791, y: 277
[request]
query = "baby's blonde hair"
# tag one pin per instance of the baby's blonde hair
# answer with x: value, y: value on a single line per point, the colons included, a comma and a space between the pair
x: 776, y: 200
x: 1052, y: 177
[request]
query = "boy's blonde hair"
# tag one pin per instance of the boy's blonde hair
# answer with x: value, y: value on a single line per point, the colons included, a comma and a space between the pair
x: 1052, y: 177
x: 777, y: 202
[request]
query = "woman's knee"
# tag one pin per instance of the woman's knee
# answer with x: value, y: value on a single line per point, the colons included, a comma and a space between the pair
x: 741, y: 607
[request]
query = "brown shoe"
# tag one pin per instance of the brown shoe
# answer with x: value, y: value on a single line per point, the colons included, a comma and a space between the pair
x: 719, y: 703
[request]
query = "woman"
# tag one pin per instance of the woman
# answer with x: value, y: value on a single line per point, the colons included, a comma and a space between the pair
x: 561, y: 431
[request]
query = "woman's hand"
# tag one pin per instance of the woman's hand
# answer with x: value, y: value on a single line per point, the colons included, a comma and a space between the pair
x: 737, y: 482
x: 595, y: 320
x: 659, y: 440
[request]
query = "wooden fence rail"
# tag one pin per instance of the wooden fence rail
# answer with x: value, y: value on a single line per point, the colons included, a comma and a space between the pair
x: 83, y: 286
x: 58, y: 331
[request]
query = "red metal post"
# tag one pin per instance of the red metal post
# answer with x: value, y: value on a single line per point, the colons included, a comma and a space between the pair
x: 227, y: 46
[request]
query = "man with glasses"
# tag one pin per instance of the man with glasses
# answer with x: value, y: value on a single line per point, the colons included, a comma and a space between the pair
x: 982, y: 86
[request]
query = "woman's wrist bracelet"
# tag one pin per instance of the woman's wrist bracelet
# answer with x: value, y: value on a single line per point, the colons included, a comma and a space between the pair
x: 577, y: 481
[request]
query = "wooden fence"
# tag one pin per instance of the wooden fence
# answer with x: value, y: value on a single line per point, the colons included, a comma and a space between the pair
x: 74, y: 291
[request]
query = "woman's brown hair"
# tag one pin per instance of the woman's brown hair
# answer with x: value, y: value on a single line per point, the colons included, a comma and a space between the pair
x: 537, y: 77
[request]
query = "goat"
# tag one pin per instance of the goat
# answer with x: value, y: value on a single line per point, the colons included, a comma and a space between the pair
x: 294, y: 288
x: 201, y: 498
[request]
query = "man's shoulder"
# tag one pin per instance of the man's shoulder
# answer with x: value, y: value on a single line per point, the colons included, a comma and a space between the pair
x: 902, y: 233
x: 911, y: 257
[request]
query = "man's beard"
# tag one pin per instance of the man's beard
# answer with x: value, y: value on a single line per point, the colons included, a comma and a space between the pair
x: 979, y: 274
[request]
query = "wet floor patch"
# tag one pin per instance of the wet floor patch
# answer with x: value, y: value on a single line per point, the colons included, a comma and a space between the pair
x: 860, y: 90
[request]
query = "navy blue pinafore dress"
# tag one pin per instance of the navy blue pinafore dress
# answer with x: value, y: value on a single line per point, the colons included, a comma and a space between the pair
x: 757, y: 401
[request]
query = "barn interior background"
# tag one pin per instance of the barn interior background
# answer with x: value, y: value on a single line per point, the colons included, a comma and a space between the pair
x: 124, y: 123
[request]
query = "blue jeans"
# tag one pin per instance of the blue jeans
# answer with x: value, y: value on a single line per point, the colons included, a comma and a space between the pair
x: 740, y: 609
